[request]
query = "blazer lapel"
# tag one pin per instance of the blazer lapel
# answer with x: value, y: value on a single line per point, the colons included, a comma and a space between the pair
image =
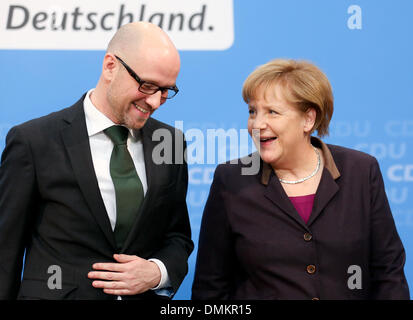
x: 325, y: 192
x: 76, y: 141
x: 277, y: 195
x: 148, y: 146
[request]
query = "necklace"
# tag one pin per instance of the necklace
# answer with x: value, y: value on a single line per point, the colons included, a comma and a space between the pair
x: 312, y: 174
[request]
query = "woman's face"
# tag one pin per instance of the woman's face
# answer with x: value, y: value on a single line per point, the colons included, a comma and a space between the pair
x: 278, y: 128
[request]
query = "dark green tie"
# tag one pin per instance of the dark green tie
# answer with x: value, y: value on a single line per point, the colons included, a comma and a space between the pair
x: 128, y: 186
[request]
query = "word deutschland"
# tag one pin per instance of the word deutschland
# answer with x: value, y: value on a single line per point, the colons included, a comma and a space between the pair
x: 20, y: 17
x: 89, y: 25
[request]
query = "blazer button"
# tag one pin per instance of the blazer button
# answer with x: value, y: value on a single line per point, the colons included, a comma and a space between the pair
x: 311, y: 269
x: 308, y: 236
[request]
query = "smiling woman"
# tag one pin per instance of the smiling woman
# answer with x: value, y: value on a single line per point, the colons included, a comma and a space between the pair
x: 300, y: 83
x: 312, y: 213
x: 288, y: 101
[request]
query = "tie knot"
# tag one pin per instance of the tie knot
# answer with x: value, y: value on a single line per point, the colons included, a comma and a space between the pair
x: 118, y: 134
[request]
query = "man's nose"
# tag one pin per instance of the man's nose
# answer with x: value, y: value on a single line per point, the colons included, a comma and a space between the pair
x: 154, y: 100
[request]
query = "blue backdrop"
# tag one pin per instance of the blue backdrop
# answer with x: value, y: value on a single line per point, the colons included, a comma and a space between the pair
x: 365, y: 51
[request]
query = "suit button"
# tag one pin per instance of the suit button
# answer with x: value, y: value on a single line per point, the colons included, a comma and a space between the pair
x: 307, y: 236
x: 311, y: 269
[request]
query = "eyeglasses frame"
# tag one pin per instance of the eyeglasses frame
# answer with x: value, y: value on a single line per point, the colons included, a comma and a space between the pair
x: 142, y: 82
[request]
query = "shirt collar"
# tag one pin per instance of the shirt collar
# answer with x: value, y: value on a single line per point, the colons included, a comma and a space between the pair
x: 329, y: 163
x: 96, y: 121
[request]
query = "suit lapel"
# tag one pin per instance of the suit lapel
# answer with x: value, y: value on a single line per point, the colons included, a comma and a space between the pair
x: 76, y: 141
x: 148, y: 146
x: 277, y: 195
x: 325, y: 192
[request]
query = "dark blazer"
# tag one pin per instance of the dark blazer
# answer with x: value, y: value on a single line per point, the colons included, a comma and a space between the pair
x: 254, y: 245
x: 51, y: 206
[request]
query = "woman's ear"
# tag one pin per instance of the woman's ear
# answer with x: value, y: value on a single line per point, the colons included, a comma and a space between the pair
x: 310, y: 117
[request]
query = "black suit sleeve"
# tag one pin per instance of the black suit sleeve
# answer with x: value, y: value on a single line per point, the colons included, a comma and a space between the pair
x: 215, y: 260
x: 17, y: 197
x: 387, y: 253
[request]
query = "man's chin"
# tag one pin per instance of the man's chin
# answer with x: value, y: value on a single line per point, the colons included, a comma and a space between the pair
x: 136, y: 124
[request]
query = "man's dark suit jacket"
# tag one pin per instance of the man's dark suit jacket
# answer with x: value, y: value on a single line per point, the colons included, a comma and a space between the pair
x: 51, y: 206
x: 253, y: 244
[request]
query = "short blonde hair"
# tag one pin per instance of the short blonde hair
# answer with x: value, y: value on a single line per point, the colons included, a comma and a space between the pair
x: 306, y: 87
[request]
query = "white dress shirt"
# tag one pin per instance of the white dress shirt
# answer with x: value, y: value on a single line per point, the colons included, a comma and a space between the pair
x: 101, y: 147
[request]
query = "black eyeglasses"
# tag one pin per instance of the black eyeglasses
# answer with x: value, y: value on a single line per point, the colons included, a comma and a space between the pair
x: 150, y: 88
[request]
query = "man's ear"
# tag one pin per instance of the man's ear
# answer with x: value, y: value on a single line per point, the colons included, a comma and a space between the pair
x: 310, y: 117
x: 109, y: 66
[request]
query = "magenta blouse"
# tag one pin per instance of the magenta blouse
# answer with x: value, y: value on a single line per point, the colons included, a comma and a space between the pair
x: 303, y: 205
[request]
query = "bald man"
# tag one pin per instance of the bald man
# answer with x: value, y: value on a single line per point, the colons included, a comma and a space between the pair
x: 82, y: 195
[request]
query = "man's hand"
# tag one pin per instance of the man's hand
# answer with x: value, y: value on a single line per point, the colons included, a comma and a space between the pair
x: 131, y: 275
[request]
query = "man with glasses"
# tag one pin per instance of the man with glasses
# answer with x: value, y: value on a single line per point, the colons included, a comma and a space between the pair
x: 82, y: 196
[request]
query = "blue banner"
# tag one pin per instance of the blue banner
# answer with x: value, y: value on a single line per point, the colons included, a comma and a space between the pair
x: 363, y: 46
